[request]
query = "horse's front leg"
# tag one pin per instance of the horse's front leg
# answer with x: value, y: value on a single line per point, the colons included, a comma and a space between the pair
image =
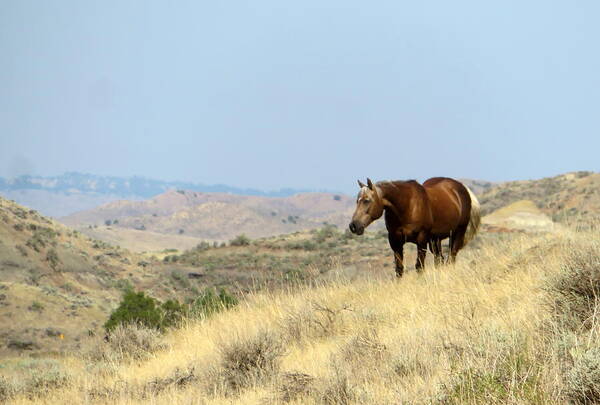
x: 397, y: 245
x: 422, y: 240
x: 399, y: 260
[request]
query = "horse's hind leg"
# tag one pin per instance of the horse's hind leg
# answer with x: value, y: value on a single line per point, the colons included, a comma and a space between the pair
x: 435, y: 245
x: 457, y: 241
x: 421, y: 254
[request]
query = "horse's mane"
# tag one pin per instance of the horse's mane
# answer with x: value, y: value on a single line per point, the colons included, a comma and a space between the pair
x: 397, y: 188
x: 397, y: 183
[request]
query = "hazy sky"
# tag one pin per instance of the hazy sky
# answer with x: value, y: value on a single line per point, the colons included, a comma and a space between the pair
x: 305, y: 94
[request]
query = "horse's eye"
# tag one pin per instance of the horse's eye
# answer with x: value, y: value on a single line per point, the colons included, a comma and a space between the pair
x: 366, y: 201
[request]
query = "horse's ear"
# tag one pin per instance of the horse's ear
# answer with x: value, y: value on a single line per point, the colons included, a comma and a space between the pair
x: 370, y: 184
x: 360, y: 184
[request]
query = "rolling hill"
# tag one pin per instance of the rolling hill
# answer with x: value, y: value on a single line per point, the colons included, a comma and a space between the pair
x: 70, y: 192
x: 213, y: 216
x: 180, y: 218
x: 58, y: 285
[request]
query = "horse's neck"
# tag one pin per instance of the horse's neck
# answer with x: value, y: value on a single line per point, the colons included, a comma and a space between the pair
x: 392, y: 202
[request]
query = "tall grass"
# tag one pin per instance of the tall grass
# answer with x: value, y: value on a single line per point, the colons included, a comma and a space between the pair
x: 487, y: 330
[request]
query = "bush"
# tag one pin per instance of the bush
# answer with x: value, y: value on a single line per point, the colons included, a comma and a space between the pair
x: 172, y: 313
x: 325, y: 233
x: 36, y: 306
x: 240, y: 240
x: 210, y: 302
x: 127, y: 342
x: 338, y: 389
x: 34, y: 379
x: 301, y: 245
x: 507, y: 374
x: 248, y: 362
x: 137, y: 308
x: 583, y: 380
x: 52, y: 258
x: 180, y: 278
x: 575, y: 292
x: 295, y: 385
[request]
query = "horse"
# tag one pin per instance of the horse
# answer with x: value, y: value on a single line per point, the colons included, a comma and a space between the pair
x: 421, y: 214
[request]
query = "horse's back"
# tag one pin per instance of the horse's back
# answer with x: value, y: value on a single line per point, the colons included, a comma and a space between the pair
x: 450, y: 204
x: 412, y: 203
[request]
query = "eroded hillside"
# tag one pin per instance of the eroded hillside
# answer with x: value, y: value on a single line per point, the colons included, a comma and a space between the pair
x: 213, y: 216
x: 568, y: 198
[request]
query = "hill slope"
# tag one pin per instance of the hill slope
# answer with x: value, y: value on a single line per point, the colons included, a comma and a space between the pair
x: 522, y: 215
x: 571, y: 197
x: 219, y: 216
x: 52, y: 277
x: 483, y: 331
x: 54, y: 280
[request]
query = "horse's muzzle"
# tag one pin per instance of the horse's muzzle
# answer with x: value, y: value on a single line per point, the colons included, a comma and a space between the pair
x: 357, y: 229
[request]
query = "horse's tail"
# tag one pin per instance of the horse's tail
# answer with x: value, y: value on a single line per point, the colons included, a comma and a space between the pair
x: 474, y: 218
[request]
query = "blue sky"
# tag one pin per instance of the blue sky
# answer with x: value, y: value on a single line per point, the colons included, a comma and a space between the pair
x: 308, y: 94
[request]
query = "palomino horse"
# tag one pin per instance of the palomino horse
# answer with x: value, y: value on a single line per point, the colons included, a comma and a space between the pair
x: 421, y: 214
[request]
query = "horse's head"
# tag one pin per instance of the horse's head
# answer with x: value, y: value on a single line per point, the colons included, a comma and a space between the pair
x: 369, y: 207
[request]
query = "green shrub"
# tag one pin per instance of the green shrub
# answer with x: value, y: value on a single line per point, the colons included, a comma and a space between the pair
x: 180, y: 278
x: 301, y: 245
x: 135, y: 308
x: 123, y: 284
x: 204, y: 245
x: 144, y: 311
x: 328, y: 231
x: 36, y: 306
x: 52, y: 258
x: 240, y: 240
x: 172, y: 313
x: 210, y: 302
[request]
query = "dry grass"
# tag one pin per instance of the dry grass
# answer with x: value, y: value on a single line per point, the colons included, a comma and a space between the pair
x: 124, y: 343
x: 482, y: 331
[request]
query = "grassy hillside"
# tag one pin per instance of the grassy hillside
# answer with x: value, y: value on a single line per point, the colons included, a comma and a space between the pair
x: 57, y: 285
x: 57, y: 282
x: 54, y: 281
x: 571, y: 197
x: 514, y: 321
